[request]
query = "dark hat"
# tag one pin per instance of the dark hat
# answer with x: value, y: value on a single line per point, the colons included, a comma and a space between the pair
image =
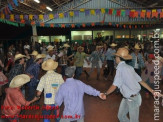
x: 70, y: 71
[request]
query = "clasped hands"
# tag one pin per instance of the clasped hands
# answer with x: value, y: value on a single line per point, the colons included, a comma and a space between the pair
x: 102, y: 96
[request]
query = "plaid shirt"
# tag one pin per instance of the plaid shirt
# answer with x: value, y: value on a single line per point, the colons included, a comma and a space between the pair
x: 50, y: 83
x: 63, y: 58
x: 17, y: 69
x: 140, y: 60
x: 95, y: 57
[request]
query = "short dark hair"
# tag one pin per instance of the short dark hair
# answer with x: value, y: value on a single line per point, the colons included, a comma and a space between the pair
x: 122, y: 59
x: 18, y: 61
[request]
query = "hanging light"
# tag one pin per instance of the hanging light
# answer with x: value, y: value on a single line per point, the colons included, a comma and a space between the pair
x: 37, y: 1
x: 49, y: 8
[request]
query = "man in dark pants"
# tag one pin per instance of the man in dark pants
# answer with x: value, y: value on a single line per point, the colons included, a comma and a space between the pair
x: 110, y: 60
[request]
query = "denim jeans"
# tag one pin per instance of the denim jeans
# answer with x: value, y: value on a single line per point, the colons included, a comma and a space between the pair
x: 48, y: 112
x: 130, y: 106
x: 93, y: 66
x: 110, y: 67
x: 63, y: 67
x: 78, y: 72
x: 31, y: 92
x: 67, y: 120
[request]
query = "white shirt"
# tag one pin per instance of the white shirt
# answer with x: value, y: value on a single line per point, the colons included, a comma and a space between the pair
x: 127, y: 80
x: 49, y: 57
x: 136, y: 63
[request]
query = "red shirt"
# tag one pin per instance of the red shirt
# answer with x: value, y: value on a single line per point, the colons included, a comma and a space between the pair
x: 13, y: 101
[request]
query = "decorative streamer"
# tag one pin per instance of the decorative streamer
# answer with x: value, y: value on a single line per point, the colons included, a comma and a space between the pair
x: 15, y: 2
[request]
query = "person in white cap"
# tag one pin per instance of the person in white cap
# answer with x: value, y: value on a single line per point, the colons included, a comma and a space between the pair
x: 15, y: 99
x: 109, y: 60
x: 137, y: 60
x: 50, y: 54
x: 128, y: 81
x: 33, y: 71
x: 50, y: 82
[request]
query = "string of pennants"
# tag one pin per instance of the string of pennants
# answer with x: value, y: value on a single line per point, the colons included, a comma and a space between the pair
x: 154, y: 13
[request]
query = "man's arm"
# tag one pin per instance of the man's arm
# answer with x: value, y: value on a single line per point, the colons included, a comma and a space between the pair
x: 147, y: 87
x: 111, y: 89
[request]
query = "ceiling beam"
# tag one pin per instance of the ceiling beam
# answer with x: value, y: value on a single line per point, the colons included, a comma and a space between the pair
x: 32, y: 7
x: 61, y: 4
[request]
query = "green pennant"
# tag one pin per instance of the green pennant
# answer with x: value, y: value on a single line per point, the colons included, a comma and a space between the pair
x: 106, y: 10
x: 114, y: 12
x: 123, y: 13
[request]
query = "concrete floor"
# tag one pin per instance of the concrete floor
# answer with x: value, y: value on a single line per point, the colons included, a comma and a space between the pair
x: 97, y: 110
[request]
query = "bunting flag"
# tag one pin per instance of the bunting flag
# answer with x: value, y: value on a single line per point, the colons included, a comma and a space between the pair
x: 22, y: 21
x: 41, y: 17
x: 52, y: 25
x: 123, y: 13
x: 110, y: 11
x: 154, y: 14
x: 82, y: 10
x: 93, y: 24
x: 73, y: 25
x: 42, y: 24
x: 83, y: 25
x: 135, y: 14
x: 87, y: 12
x: 10, y: 7
x: 103, y: 11
x: 148, y: 14
x: 30, y: 17
x: 63, y: 26
x: 92, y: 12
x: 61, y: 15
x: 21, y: 17
x: 118, y: 12
x: 51, y: 16
x: 33, y: 23
x: 117, y: 25
x: 161, y: 14
x: 15, y: 2
x: 76, y: 13
x: 71, y: 13
x: 12, y: 17
x: 142, y: 14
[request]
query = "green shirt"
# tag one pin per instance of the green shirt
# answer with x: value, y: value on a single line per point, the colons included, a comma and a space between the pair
x: 79, y: 59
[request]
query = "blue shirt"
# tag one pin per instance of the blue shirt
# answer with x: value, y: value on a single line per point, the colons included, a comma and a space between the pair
x: 34, y: 70
x: 140, y: 60
x: 127, y: 80
x: 110, y: 54
x: 71, y: 93
x: 95, y: 57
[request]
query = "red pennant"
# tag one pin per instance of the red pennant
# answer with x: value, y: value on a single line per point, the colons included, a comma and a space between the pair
x: 63, y: 26
x: 83, y: 25
x: 130, y: 26
x: 52, y: 25
x: 22, y: 21
x: 124, y: 26
x: 155, y: 14
x: 73, y: 25
x: 118, y: 12
x: 110, y: 23
x: 110, y: 11
x: 136, y: 26
x: 148, y: 15
x: 93, y: 24
x: 161, y: 15
x: 42, y: 24
x: 131, y: 14
x: 32, y: 22
x: 6, y: 11
x: 142, y: 26
x: 136, y: 14
x: 142, y: 14
x: 117, y: 25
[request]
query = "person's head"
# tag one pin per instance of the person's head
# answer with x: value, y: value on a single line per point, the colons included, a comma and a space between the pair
x: 66, y: 46
x: 137, y: 48
x: 80, y: 49
x: 26, y: 51
x: 39, y: 58
x: 49, y: 65
x: 34, y: 54
x: 19, y: 80
x: 113, y: 45
x: 51, y: 50
x: 19, y: 59
x: 122, y: 54
x: 151, y: 57
x: 70, y: 72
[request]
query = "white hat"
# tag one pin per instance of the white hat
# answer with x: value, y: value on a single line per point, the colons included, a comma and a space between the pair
x: 19, y: 80
x: 19, y: 56
x: 49, y: 64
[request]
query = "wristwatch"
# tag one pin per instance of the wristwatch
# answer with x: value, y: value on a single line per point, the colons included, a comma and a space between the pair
x: 106, y: 94
x: 37, y: 96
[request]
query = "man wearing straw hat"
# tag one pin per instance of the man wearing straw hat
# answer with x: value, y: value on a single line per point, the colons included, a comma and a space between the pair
x: 18, y: 68
x: 127, y: 80
x: 50, y: 83
x: 32, y: 58
x: 15, y: 99
x: 137, y: 60
x: 71, y: 93
x: 95, y: 57
x: 34, y: 71
x: 110, y: 60
x: 50, y: 54
x: 63, y: 58
x: 79, y: 58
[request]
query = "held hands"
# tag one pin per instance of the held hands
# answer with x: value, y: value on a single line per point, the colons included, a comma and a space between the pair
x: 102, y: 96
x: 158, y: 94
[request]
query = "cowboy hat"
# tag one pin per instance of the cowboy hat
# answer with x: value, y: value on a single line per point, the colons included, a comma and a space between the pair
x: 66, y: 45
x: 80, y: 47
x: 123, y: 53
x: 137, y: 47
x: 127, y: 47
x: 19, y: 80
x: 19, y: 56
x: 113, y: 45
x: 34, y: 53
x: 50, y: 49
x: 40, y: 56
x: 49, y: 64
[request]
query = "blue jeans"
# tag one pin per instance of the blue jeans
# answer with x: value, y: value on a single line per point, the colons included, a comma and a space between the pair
x: 132, y: 106
x: 78, y: 72
x: 31, y: 92
x: 48, y: 112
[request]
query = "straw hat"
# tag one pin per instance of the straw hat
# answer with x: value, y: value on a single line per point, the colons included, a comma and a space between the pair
x: 137, y: 47
x: 19, y: 56
x: 80, y: 47
x: 40, y: 56
x: 126, y: 47
x: 34, y: 53
x: 123, y: 53
x: 113, y: 45
x: 19, y: 80
x: 49, y: 64
x: 66, y: 45
x: 50, y: 49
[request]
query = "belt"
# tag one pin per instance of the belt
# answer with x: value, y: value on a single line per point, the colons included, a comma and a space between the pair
x: 133, y: 95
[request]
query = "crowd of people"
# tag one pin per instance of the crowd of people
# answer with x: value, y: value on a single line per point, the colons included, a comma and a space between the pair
x: 21, y: 68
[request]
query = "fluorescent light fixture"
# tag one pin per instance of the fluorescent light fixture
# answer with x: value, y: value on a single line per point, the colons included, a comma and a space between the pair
x: 158, y: 29
x: 49, y: 8
x: 37, y: 1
